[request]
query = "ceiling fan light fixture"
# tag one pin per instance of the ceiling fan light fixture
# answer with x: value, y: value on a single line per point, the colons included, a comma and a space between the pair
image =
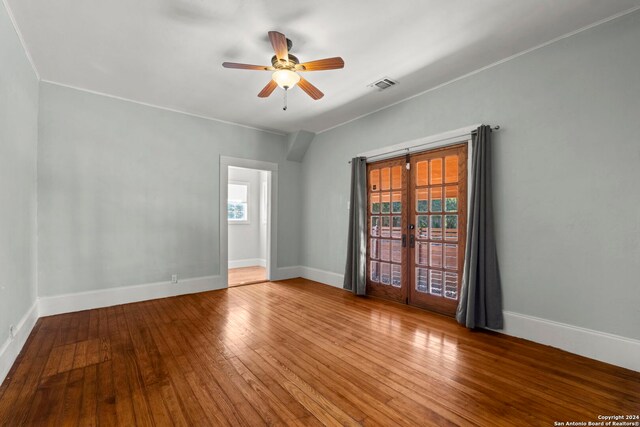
x: 286, y: 79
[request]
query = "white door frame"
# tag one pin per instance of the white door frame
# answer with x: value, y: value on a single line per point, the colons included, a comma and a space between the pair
x: 272, y: 212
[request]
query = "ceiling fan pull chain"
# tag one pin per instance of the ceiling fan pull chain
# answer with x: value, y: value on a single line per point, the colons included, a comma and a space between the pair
x: 285, y: 100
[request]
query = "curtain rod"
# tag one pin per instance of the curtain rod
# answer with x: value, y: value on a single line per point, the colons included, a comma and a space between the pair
x: 474, y: 132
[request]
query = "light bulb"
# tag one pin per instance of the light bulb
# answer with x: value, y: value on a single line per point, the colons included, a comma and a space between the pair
x: 286, y: 79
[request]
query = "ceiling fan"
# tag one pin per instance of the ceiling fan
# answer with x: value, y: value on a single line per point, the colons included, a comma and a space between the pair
x: 286, y: 67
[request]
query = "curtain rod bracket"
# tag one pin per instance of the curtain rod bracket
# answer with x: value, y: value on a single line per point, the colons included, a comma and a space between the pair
x: 496, y: 127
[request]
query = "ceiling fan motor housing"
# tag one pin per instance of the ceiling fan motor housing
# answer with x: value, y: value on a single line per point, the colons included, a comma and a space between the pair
x: 293, y: 61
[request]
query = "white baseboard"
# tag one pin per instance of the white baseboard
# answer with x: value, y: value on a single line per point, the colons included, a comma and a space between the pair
x: 609, y: 348
x: 310, y: 273
x: 126, y: 294
x: 249, y: 262
x: 12, y: 347
x: 322, y: 276
x: 284, y: 273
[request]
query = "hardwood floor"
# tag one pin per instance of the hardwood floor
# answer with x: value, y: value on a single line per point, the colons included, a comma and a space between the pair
x: 299, y: 353
x: 247, y: 275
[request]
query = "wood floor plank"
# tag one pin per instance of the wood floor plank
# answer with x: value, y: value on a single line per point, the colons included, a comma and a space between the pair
x: 122, y: 392
x: 141, y: 409
x: 72, y: 401
x: 47, y: 403
x: 172, y: 404
x: 106, y: 396
x: 88, y: 409
x: 296, y: 353
x: 246, y: 275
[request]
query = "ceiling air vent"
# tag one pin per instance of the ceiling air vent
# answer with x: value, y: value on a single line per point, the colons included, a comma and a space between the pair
x: 383, y: 83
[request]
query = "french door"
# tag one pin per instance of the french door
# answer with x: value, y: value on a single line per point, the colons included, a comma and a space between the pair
x: 387, y: 255
x: 417, y: 228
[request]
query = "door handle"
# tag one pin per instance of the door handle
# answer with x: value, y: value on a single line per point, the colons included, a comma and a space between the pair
x: 404, y: 240
x: 412, y: 241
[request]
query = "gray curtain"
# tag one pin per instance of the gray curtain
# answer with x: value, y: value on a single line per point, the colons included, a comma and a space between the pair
x: 355, y: 272
x: 481, y: 296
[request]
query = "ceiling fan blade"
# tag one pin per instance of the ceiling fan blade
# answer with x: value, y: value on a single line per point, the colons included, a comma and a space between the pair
x: 279, y: 43
x: 322, y: 64
x: 310, y: 89
x: 246, y: 66
x: 268, y: 89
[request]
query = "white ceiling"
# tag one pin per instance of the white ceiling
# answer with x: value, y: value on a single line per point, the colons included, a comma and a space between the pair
x: 169, y: 52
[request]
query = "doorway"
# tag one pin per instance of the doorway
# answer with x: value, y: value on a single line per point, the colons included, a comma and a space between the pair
x: 247, y: 206
x: 417, y: 228
x: 247, y: 220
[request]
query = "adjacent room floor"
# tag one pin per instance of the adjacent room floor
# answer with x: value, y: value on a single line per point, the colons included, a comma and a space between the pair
x: 296, y: 352
x: 247, y: 275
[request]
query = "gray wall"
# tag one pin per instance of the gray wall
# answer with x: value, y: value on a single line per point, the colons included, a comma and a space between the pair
x: 18, y: 143
x: 567, y: 171
x: 129, y: 194
x: 244, y: 239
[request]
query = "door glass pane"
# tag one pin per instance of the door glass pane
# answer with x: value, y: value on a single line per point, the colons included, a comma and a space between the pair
x: 374, y: 179
x: 435, y: 249
x: 451, y: 227
x: 436, y: 227
x: 396, y: 227
x: 385, y: 250
x: 373, y: 248
x: 396, y: 177
x: 421, y: 173
x: 451, y: 198
x: 386, y: 203
x: 375, y: 203
x: 421, y: 253
x: 385, y: 230
x: 451, y: 285
x: 451, y: 256
x: 436, y: 199
x: 396, y: 202
x: 436, y: 171
x: 385, y: 273
x: 396, y: 251
x: 375, y: 226
x: 396, y: 275
x: 385, y: 178
x: 422, y: 227
x: 422, y: 283
x: 435, y: 282
x: 422, y: 200
x: 374, y: 271
x: 451, y: 169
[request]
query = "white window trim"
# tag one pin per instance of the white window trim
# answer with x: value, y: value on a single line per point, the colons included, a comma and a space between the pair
x: 241, y: 221
x: 421, y: 144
